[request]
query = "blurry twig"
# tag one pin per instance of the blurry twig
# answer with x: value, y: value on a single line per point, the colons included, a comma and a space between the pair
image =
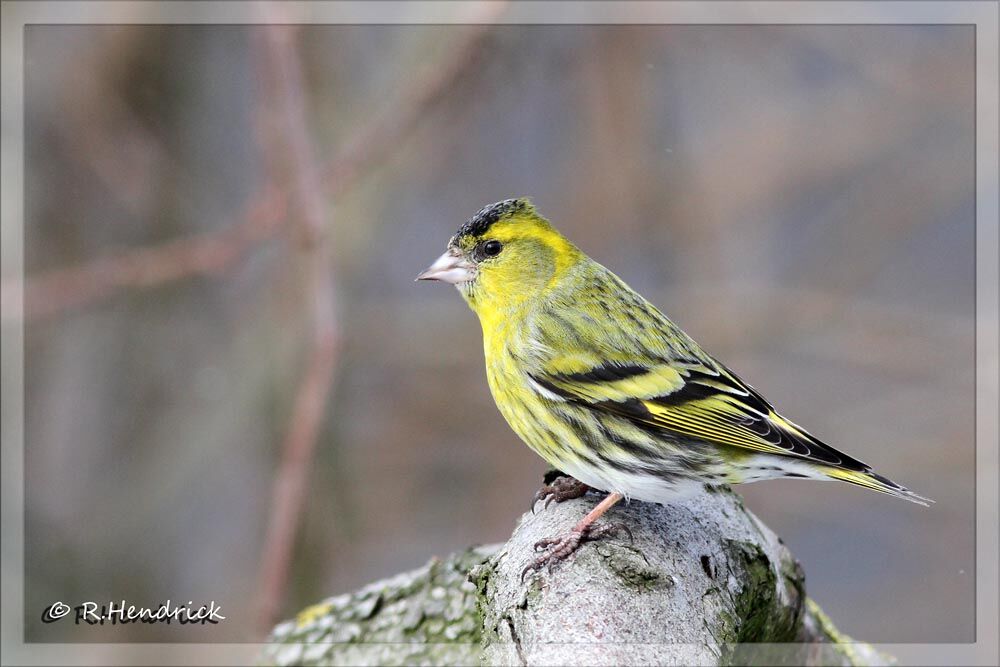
x: 55, y: 291
x: 74, y: 286
x: 314, y: 390
x: 378, y: 140
x: 384, y: 135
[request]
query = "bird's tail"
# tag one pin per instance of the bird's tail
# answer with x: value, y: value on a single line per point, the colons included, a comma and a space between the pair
x: 875, y: 482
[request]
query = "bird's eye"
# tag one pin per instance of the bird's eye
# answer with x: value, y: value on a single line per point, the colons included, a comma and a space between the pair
x: 492, y: 248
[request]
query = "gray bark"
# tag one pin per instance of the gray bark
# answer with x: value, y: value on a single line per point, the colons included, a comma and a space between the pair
x: 703, y: 583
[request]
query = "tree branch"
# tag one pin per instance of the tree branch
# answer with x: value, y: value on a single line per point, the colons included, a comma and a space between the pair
x: 704, y: 582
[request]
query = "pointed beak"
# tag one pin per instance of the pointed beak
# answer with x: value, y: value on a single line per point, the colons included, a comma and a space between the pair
x: 450, y: 267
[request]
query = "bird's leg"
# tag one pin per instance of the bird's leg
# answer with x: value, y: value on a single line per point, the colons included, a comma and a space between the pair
x: 558, y: 487
x: 558, y: 548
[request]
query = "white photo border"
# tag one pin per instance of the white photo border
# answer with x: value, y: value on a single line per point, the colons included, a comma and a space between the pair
x: 16, y: 15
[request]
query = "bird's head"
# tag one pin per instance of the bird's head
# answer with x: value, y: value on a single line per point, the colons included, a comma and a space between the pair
x: 502, y: 256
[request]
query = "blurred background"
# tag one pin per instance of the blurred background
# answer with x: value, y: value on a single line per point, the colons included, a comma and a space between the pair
x: 223, y: 225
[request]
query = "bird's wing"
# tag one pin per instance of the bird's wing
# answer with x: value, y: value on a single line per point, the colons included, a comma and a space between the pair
x: 692, y: 395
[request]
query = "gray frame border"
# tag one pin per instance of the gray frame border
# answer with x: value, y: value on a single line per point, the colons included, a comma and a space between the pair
x: 15, y: 15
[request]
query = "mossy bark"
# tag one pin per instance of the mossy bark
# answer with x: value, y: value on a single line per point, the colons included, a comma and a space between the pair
x: 702, y: 583
x: 428, y: 616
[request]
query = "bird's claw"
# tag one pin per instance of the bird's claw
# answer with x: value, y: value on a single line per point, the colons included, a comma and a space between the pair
x: 560, y: 489
x: 559, y: 548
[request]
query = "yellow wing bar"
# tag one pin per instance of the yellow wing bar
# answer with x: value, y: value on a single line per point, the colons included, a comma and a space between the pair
x: 694, y: 400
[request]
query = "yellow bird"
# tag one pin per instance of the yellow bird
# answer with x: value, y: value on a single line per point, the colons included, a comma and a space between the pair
x: 605, y: 388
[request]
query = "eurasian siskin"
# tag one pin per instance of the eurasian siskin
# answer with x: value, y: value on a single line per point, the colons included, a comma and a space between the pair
x: 605, y: 387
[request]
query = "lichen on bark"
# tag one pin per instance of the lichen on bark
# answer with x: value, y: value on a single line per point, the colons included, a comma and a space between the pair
x: 428, y: 616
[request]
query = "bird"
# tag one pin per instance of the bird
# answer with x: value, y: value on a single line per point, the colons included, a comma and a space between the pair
x: 607, y: 389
